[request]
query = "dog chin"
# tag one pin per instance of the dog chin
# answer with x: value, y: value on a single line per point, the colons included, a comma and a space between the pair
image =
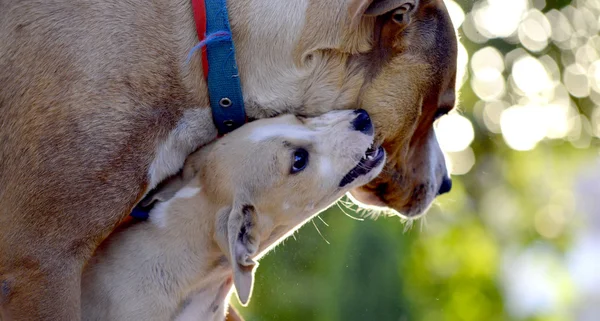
x: 368, y: 200
x: 365, y: 199
x: 416, y: 211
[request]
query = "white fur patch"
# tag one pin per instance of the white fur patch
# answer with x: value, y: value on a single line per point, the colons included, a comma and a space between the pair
x: 159, y: 214
x: 187, y: 192
x: 287, y: 131
x: 194, y: 129
x: 326, y: 167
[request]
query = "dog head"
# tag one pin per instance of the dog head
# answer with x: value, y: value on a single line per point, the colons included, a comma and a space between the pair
x: 394, y: 58
x: 414, y: 87
x: 270, y: 176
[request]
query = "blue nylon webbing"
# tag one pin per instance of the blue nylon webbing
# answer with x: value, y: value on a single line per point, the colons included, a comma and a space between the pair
x: 224, y: 88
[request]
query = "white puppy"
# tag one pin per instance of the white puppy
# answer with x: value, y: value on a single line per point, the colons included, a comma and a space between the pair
x: 234, y: 200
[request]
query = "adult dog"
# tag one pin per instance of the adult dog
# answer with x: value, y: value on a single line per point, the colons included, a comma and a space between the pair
x: 236, y: 199
x: 98, y: 105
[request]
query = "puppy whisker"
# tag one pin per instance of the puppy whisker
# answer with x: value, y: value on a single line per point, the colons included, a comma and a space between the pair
x: 319, y: 231
x: 320, y: 218
x: 350, y: 208
x: 347, y: 203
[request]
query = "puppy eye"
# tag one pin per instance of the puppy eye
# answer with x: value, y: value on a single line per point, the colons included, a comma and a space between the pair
x: 299, y: 160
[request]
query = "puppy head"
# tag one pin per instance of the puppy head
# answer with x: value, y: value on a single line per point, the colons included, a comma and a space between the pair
x: 271, y: 175
x: 397, y: 60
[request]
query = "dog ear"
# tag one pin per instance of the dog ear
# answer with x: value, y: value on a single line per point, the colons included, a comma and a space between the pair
x: 243, y: 240
x: 360, y: 8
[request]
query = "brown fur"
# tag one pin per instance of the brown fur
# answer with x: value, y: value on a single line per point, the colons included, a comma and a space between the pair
x: 403, y: 74
x: 89, y: 90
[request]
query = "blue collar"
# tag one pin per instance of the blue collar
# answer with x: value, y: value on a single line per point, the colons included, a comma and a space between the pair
x: 224, y: 88
x: 141, y: 213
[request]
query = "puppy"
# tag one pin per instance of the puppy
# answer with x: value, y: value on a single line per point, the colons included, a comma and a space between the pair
x: 236, y: 199
x: 98, y: 105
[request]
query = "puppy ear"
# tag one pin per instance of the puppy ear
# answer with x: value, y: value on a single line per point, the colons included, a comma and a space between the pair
x: 165, y: 190
x: 170, y: 186
x: 243, y: 242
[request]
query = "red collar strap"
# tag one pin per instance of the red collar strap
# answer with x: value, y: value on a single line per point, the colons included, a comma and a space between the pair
x: 200, y: 18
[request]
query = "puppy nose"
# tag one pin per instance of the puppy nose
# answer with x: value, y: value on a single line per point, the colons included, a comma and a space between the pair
x: 446, y: 185
x: 362, y: 122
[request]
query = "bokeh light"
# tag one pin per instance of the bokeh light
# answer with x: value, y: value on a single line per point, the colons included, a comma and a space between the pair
x: 499, y: 18
x: 487, y: 66
x: 454, y: 132
x: 521, y: 127
x: 534, y: 31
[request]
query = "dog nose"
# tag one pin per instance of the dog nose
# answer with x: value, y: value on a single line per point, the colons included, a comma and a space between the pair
x: 362, y: 122
x: 446, y: 185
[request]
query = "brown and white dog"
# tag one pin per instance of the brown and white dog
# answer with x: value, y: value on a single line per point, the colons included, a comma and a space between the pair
x: 98, y: 105
x: 237, y: 199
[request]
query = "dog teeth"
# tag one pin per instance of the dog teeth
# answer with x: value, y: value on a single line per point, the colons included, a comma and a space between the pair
x: 370, y: 154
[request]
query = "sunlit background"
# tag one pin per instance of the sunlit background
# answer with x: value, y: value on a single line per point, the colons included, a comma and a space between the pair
x: 518, y: 238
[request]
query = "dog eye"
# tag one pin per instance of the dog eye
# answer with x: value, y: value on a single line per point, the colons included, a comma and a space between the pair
x: 400, y: 15
x: 299, y: 160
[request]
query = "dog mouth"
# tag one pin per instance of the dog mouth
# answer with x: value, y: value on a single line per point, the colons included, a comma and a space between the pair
x: 372, y: 158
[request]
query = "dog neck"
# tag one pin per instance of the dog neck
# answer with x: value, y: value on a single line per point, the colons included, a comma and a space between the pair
x: 277, y: 77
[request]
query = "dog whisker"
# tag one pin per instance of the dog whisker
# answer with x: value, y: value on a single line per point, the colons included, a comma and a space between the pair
x: 423, y: 223
x: 348, y: 204
x: 350, y: 208
x: 408, y: 224
x: 375, y: 213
